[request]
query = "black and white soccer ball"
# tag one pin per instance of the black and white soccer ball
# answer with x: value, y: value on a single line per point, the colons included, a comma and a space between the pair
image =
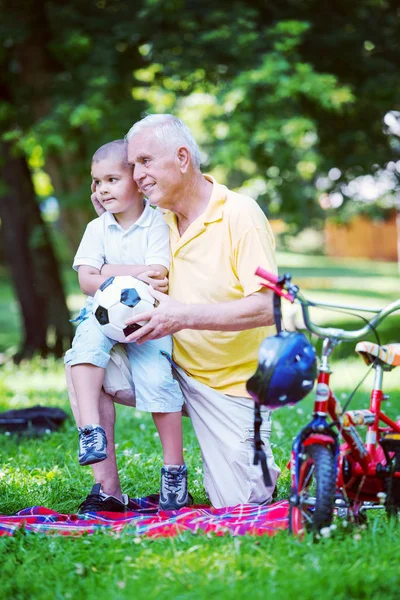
x: 119, y: 299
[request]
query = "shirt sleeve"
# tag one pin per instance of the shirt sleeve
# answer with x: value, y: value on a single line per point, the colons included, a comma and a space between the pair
x: 91, y: 249
x: 254, y: 248
x: 157, y: 252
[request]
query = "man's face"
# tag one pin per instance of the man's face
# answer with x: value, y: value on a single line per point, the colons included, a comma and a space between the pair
x: 114, y: 186
x: 155, y: 169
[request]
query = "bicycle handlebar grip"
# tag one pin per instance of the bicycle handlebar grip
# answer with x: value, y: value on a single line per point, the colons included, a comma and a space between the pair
x: 267, y: 275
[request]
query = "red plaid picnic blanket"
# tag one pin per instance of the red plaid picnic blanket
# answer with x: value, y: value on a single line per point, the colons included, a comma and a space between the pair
x: 146, y: 520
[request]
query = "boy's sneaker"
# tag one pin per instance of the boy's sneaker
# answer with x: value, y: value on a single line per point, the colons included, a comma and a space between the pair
x: 98, y: 501
x: 92, y: 444
x: 174, y: 489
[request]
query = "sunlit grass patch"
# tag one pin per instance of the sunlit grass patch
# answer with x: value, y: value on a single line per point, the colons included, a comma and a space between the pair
x: 348, y: 564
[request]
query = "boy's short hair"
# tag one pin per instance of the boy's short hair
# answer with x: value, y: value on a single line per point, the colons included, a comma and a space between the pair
x: 118, y: 149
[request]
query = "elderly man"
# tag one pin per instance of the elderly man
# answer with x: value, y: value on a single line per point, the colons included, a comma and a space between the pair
x: 216, y: 309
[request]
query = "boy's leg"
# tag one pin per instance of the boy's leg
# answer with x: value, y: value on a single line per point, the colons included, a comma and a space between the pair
x: 88, y: 381
x: 88, y: 358
x: 106, y: 472
x: 158, y: 392
x: 174, y: 488
x: 169, y: 427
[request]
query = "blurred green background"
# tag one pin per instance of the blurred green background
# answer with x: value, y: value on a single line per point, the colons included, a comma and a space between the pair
x: 296, y: 103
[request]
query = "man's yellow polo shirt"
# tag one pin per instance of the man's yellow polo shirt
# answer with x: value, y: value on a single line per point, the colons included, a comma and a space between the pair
x: 214, y: 261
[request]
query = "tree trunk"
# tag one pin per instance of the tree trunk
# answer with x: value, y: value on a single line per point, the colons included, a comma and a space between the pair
x: 33, y: 266
x: 398, y: 238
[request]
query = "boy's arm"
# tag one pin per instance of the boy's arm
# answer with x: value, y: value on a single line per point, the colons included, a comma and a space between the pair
x: 90, y: 253
x: 135, y: 270
x: 154, y: 275
x: 90, y: 279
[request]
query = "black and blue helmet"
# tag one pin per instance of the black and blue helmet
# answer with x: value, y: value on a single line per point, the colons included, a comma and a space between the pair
x: 286, y: 370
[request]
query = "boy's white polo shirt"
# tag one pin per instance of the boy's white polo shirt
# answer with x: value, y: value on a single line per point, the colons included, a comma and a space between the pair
x: 146, y: 242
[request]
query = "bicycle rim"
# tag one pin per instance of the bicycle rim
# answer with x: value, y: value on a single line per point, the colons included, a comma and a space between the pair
x: 313, y: 507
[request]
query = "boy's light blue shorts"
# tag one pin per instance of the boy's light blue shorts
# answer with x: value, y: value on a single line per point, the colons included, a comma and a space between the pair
x: 155, y: 388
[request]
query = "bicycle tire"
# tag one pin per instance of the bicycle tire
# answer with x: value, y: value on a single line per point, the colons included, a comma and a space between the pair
x: 392, y: 489
x: 317, y: 480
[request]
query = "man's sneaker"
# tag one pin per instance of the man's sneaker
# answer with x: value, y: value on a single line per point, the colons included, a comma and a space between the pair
x: 98, y: 501
x: 174, y: 489
x: 92, y: 444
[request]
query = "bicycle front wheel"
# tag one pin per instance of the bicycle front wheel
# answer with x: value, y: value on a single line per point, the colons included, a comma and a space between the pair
x: 311, y: 505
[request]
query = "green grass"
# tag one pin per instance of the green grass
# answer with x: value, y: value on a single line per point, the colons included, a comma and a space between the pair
x: 351, y: 564
x: 103, y: 566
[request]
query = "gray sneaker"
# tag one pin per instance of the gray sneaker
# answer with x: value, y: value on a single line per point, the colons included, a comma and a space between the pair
x: 92, y: 444
x: 174, y: 489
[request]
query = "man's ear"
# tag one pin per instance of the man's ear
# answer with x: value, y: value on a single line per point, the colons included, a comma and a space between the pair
x: 183, y: 157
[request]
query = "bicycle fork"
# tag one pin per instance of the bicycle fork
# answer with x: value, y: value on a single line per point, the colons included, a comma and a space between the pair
x: 316, y: 433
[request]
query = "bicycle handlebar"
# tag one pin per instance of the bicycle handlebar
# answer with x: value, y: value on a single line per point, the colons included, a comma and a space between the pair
x: 343, y: 334
x: 279, y: 283
x: 267, y: 275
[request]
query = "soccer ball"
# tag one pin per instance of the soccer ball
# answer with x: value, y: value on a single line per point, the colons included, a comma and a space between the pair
x: 117, y: 300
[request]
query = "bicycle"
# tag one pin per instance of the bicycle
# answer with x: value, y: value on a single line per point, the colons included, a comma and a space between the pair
x: 357, y: 474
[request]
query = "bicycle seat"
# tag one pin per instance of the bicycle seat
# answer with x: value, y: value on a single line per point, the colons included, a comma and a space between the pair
x: 389, y: 354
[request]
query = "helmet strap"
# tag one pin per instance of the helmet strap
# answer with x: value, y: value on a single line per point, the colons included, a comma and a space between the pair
x: 259, y: 454
x: 277, y: 313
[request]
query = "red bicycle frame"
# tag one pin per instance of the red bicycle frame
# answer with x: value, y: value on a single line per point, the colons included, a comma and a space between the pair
x: 361, y: 467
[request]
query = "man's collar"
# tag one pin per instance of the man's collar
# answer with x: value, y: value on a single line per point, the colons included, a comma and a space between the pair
x: 216, y: 203
x: 214, y: 208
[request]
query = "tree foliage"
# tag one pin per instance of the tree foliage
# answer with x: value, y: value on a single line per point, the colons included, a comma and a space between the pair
x: 295, y: 89
x: 277, y: 94
x: 290, y: 89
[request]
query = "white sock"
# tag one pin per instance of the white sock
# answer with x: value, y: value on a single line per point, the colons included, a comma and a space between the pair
x: 173, y: 467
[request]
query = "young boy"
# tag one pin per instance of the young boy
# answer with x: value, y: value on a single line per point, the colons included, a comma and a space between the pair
x: 130, y: 238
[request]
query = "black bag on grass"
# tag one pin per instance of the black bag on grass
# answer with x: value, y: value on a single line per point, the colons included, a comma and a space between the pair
x: 35, y: 420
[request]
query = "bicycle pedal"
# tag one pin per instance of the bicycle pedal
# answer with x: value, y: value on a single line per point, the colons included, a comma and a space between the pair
x: 391, y: 442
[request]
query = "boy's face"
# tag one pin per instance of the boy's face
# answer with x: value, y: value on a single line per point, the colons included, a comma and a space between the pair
x: 114, y: 186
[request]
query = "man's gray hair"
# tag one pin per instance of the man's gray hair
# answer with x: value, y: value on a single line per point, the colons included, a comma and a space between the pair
x: 170, y: 131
